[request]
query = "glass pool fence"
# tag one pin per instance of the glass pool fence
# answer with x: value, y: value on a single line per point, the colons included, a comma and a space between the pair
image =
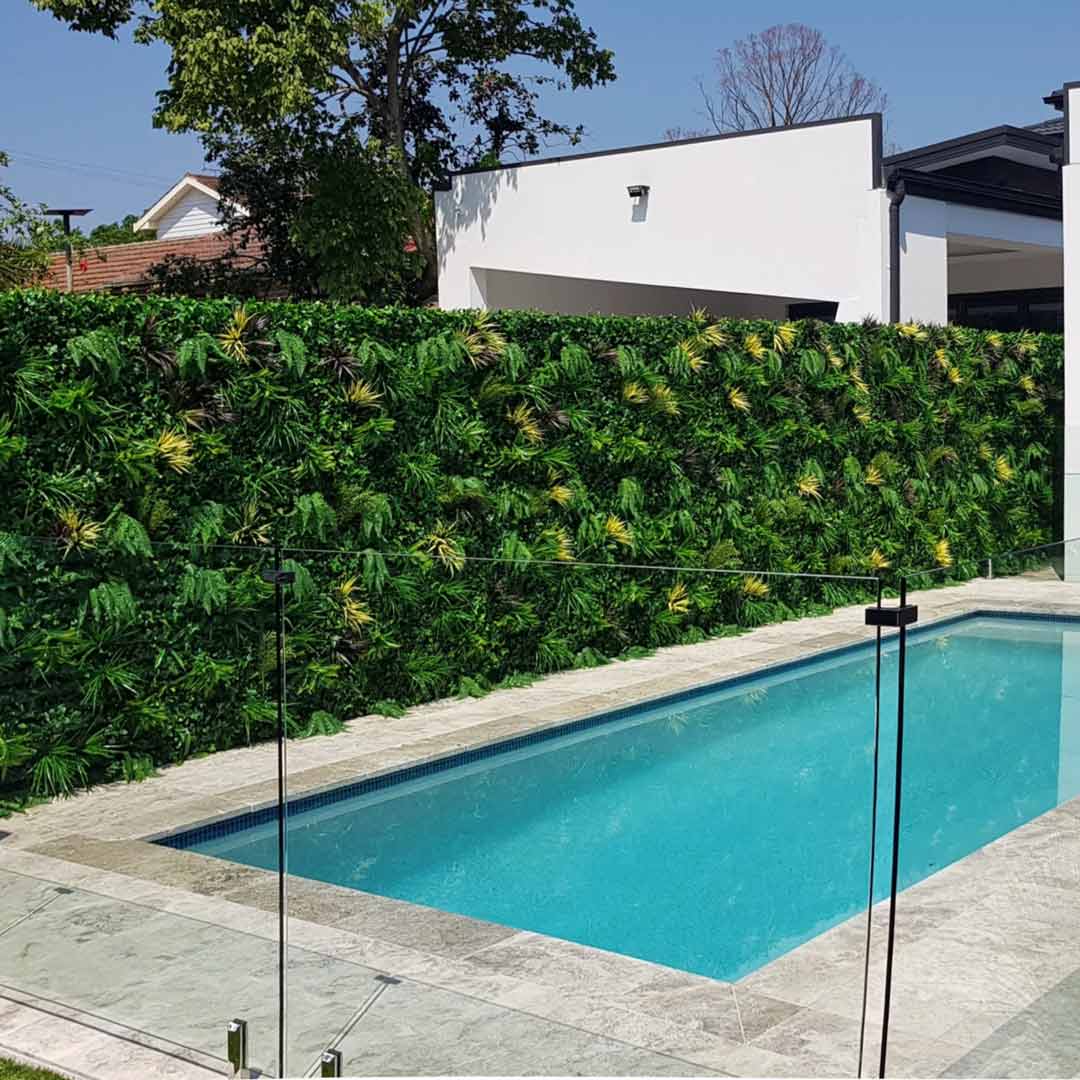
x: 481, y: 798
x: 986, y: 926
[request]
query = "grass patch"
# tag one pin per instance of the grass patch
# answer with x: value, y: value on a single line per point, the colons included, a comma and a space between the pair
x: 13, y: 1070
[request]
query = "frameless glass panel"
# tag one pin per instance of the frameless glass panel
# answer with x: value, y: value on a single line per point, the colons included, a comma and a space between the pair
x: 987, y: 932
x: 546, y: 812
x: 137, y: 671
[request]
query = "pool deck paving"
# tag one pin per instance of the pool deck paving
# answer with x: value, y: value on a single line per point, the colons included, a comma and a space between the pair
x: 120, y: 957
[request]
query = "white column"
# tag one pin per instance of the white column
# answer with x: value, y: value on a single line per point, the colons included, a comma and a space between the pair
x: 924, y: 261
x: 1070, y: 199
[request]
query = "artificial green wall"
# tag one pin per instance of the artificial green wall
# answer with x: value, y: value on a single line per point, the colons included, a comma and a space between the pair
x: 158, y: 447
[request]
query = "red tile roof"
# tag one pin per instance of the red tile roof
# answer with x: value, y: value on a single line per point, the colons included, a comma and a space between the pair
x: 124, y: 266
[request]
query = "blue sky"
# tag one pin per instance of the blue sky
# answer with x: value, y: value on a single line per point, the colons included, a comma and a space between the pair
x: 948, y: 66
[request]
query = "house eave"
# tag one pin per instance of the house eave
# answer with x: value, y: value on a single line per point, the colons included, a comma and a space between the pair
x: 954, y: 189
x: 975, y: 144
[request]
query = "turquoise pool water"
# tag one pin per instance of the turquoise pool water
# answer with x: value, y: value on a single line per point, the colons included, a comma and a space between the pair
x: 718, y: 832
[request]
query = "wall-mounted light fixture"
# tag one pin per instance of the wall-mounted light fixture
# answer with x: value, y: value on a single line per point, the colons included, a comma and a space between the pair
x: 638, y: 191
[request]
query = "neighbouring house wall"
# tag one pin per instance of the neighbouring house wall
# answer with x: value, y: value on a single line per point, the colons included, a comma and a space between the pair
x: 790, y: 213
x: 925, y: 228
x: 1070, y: 195
x: 194, y: 214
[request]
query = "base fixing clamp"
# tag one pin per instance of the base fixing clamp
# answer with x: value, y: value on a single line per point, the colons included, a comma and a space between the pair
x: 236, y: 1045
x: 330, y: 1063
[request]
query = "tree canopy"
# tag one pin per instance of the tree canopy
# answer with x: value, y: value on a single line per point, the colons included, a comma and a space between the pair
x: 422, y: 87
x: 27, y: 238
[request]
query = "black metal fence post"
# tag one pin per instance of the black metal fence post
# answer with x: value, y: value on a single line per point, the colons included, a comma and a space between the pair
x: 280, y: 577
x: 900, y: 671
x: 900, y: 617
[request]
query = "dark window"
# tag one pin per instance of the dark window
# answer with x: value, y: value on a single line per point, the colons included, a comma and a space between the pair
x: 825, y: 310
x: 1020, y: 309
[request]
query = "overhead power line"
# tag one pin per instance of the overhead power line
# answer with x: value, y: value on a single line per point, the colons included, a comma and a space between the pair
x: 86, y: 168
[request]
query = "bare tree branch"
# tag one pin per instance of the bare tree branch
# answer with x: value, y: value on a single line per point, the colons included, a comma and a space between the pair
x: 785, y: 75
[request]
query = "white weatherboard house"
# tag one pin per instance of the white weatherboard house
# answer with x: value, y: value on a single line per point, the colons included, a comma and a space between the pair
x: 813, y: 220
x: 191, y: 207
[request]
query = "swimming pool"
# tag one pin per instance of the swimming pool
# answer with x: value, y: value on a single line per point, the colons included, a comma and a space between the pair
x: 714, y: 831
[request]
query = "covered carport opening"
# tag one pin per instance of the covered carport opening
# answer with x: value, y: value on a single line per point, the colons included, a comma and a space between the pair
x: 1005, y: 285
x: 513, y: 290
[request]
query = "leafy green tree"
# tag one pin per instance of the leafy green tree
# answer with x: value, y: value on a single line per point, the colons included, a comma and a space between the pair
x: 425, y: 86
x: 27, y: 239
x: 332, y: 214
x: 119, y: 232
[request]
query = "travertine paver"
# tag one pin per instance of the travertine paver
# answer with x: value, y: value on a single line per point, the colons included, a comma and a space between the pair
x: 145, y: 952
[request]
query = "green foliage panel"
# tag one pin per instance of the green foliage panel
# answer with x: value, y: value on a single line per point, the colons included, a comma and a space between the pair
x: 157, y: 448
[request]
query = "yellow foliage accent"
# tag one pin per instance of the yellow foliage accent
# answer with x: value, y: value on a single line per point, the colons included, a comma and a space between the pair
x: 713, y: 336
x: 363, y: 393
x: 912, y: 330
x: 564, y: 548
x: 954, y: 375
x: 877, y: 561
x: 708, y: 337
x: 619, y: 531
x: 862, y: 414
x: 985, y: 452
x: 754, y: 587
x: 522, y: 418
x: 738, y: 399
x: 873, y: 476
x: 995, y: 340
x: 678, y: 603
x: 943, y: 553
x: 810, y: 486
x: 354, y: 613
x: 231, y: 339
x: 635, y: 393
x: 664, y: 400
x: 691, y: 351
x: 175, y: 449
x: 76, y: 531
x: 836, y: 361
x: 560, y: 494
x: 784, y: 337
x: 1027, y: 384
x: 941, y: 357
x: 1002, y: 469
x: 482, y: 342
x: 753, y: 345
x: 440, y: 544
x: 1028, y: 344
x: 858, y: 381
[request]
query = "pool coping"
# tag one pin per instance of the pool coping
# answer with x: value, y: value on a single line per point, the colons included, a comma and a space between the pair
x: 133, y: 849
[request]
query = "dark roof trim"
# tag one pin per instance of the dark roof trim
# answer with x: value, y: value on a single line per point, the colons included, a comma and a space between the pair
x: 953, y: 189
x: 874, y: 118
x: 990, y: 139
x: 1064, y: 91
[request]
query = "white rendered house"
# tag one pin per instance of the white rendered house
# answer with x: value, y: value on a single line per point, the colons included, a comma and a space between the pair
x: 813, y: 220
x: 778, y: 223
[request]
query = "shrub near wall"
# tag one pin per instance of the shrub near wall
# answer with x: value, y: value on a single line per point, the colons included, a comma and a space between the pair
x: 161, y: 445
